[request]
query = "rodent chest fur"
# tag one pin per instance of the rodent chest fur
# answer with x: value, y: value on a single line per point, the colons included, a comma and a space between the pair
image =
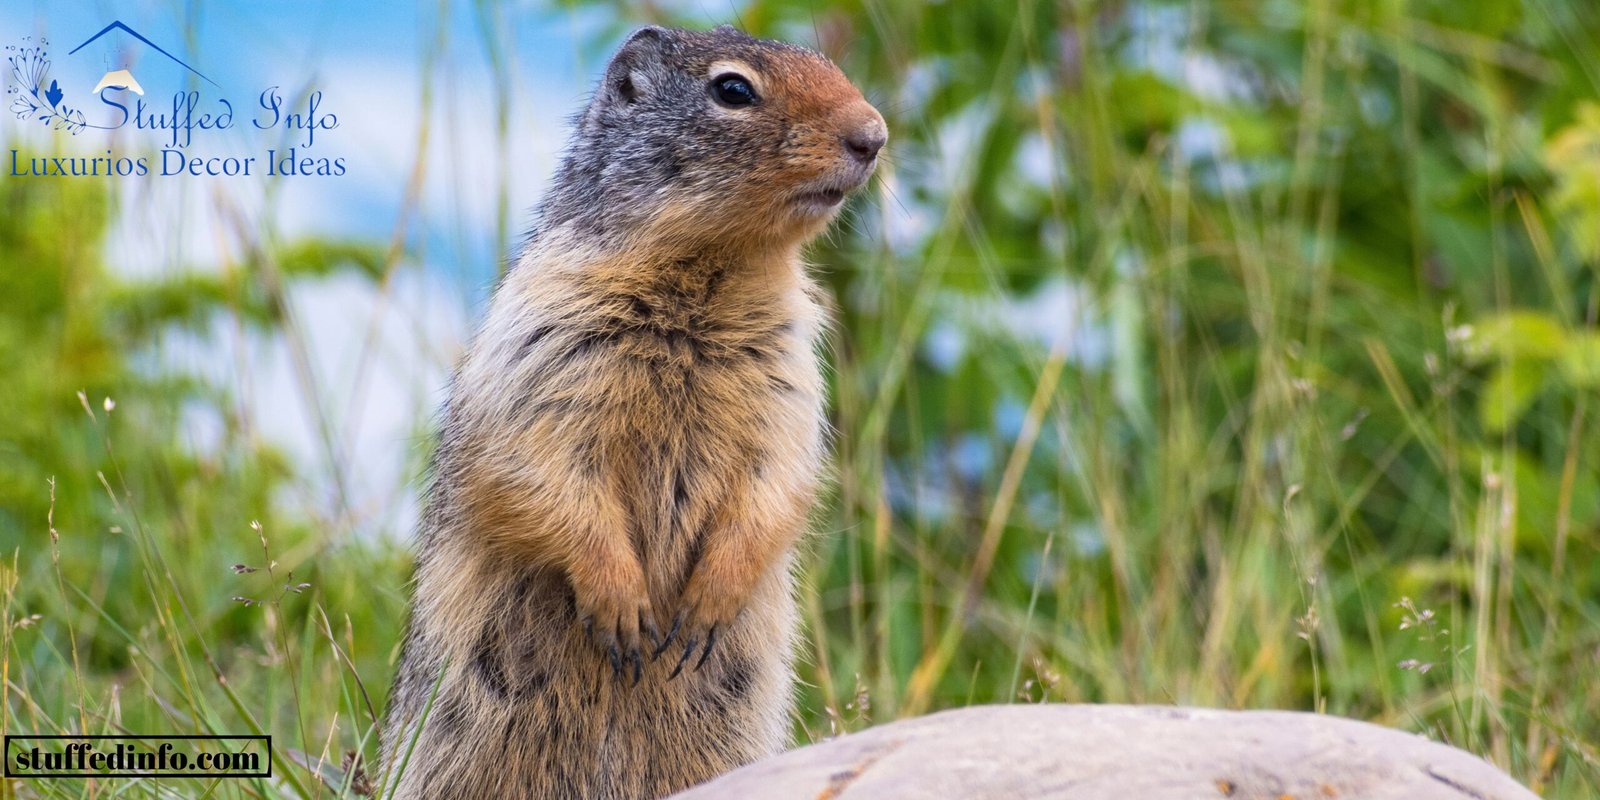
x: 672, y: 385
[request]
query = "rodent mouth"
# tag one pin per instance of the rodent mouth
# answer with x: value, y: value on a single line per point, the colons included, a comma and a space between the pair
x: 819, y: 202
x: 826, y: 195
x: 826, y: 198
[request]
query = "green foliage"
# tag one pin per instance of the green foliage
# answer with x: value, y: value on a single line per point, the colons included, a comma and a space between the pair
x: 123, y: 610
x: 1527, y: 349
x: 1574, y: 159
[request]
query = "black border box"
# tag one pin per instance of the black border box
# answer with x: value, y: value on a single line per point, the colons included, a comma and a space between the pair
x: 266, y: 753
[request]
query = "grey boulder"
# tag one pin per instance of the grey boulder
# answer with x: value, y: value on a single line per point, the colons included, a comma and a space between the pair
x: 1089, y: 752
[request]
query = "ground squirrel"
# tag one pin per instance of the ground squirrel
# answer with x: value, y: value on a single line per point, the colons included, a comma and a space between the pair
x: 633, y: 441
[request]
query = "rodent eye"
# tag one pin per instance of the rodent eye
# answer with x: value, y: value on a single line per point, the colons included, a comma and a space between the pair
x: 733, y: 90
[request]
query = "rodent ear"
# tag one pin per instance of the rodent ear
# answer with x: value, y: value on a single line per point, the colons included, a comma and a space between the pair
x: 631, y: 72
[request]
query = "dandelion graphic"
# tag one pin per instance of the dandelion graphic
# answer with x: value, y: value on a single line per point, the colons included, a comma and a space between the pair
x: 30, y: 99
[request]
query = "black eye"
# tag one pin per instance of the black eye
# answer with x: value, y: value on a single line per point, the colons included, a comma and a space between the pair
x: 733, y: 91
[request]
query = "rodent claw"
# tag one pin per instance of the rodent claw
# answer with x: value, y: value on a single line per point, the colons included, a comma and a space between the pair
x: 616, y: 660
x: 648, y: 623
x: 688, y: 650
x: 638, y: 667
x: 677, y: 622
x: 711, y: 639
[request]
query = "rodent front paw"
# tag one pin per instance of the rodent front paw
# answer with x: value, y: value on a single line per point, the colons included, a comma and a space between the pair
x: 617, y: 614
x: 703, y: 611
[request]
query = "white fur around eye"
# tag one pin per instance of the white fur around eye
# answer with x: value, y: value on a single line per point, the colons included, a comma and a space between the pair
x: 740, y: 68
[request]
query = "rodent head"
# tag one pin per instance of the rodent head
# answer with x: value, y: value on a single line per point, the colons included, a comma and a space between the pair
x: 716, y: 137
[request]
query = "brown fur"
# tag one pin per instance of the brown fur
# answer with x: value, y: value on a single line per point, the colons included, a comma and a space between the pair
x: 631, y: 448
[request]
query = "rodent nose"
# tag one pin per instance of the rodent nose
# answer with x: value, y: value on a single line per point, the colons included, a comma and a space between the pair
x: 865, y: 141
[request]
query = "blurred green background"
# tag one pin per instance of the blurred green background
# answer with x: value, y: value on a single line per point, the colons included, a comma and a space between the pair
x: 1236, y: 354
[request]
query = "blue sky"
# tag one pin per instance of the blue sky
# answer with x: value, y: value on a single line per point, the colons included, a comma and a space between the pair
x: 366, y: 58
x: 241, y: 43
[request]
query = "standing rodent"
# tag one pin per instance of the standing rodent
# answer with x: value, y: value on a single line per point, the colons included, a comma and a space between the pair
x: 633, y: 442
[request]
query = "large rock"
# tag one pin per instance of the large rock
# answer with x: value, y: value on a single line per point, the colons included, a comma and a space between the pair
x: 1085, y: 752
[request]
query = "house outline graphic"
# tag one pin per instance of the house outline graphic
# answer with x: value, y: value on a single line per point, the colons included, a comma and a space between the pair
x: 117, y: 25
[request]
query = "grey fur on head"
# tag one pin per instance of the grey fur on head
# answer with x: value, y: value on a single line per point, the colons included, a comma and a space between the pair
x: 649, y: 132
